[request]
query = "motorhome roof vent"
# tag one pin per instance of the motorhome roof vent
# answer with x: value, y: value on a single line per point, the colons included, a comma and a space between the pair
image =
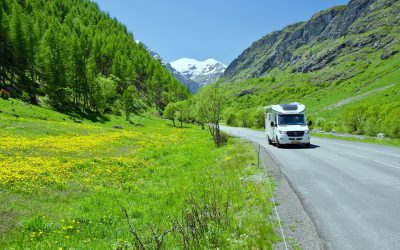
x: 289, y: 107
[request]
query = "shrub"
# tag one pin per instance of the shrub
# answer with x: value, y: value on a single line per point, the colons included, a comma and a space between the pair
x: 4, y: 94
x: 222, y: 138
x: 203, y: 220
x: 391, y: 125
x: 259, y: 118
x: 355, y: 118
x: 231, y: 119
x: 373, y: 121
x: 25, y: 97
x: 244, y: 118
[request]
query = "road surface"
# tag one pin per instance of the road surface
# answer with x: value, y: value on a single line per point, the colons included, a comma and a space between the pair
x: 351, y: 190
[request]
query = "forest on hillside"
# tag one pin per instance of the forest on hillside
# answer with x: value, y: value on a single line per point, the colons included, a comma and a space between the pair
x: 78, y: 58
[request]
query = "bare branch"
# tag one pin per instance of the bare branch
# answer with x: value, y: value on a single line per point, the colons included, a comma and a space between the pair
x: 160, y: 240
x: 131, y: 227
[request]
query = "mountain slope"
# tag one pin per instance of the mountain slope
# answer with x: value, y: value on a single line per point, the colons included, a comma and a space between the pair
x: 201, y: 72
x: 343, y: 29
x: 192, y: 85
x: 343, y: 64
x: 78, y: 58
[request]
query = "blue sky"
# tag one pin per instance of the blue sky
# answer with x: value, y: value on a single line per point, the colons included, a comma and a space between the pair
x: 203, y: 29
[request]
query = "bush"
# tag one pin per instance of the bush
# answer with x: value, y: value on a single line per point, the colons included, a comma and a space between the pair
x: 391, y: 125
x: 355, y: 118
x: 327, y: 126
x: 4, y: 94
x: 203, y: 221
x: 372, y: 123
x: 244, y: 118
x: 373, y: 120
x: 25, y: 97
x: 231, y: 119
x: 259, y: 118
x: 222, y: 138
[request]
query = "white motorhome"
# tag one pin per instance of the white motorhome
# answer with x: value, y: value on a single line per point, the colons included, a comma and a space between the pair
x: 286, y: 124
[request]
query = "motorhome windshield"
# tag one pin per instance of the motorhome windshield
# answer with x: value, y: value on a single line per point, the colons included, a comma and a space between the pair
x: 291, y: 120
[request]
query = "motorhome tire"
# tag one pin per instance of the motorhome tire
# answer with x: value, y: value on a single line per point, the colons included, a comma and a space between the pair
x: 269, y: 140
x: 278, y: 145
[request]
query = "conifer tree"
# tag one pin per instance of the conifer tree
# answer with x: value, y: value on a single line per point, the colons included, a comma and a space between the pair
x: 52, y: 60
x: 17, y: 40
x: 78, y: 78
x: 4, y: 45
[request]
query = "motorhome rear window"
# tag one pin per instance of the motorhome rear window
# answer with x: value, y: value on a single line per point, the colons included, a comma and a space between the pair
x: 289, y: 107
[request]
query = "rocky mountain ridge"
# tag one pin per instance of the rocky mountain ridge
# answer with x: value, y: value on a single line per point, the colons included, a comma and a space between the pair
x: 192, y: 85
x: 201, y: 72
x: 314, y: 44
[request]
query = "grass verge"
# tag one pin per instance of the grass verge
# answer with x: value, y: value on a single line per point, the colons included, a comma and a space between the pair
x: 380, y: 141
x: 65, y: 184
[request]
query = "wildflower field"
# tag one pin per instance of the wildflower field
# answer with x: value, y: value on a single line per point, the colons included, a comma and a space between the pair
x: 67, y: 185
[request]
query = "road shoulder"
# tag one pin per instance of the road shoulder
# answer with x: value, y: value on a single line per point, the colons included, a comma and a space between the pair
x: 297, y: 226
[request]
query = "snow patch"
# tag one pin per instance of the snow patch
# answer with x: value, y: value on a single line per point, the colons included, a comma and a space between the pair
x: 203, y: 72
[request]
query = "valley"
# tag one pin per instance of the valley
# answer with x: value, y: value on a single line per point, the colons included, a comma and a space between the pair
x: 105, y: 144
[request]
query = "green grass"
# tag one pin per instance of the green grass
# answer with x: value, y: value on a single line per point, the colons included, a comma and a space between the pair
x: 380, y: 141
x: 61, y: 182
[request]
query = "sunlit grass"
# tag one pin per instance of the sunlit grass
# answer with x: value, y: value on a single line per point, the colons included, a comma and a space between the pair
x: 61, y: 182
x: 381, y: 141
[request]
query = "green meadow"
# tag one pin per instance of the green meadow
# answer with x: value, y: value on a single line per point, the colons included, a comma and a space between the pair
x: 66, y: 183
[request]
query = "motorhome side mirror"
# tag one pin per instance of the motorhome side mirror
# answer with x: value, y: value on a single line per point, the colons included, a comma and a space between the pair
x: 272, y: 124
x: 309, y: 123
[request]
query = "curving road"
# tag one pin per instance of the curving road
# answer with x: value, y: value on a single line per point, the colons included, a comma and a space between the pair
x: 351, y: 190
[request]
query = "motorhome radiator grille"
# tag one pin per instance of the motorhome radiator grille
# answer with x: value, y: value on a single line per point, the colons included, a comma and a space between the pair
x: 295, y: 133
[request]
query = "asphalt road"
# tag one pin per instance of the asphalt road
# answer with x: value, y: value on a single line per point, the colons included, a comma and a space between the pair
x: 350, y: 190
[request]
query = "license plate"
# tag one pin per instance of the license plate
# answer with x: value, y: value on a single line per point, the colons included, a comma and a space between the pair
x: 295, y: 142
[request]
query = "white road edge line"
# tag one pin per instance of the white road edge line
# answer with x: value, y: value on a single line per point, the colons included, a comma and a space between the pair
x: 383, y: 163
x: 387, y: 164
x: 362, y: 157
x: 276, y: 210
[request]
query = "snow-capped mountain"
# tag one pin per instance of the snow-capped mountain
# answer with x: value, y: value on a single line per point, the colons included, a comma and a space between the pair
x: 204, y: 72
x: 192, y: 85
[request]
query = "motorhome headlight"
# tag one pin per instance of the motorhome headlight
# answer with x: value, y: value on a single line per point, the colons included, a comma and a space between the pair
x: 281, y: 132
x: 307, y: 132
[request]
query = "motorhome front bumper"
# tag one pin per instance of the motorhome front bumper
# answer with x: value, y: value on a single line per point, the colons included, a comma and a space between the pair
x: 286, y: 139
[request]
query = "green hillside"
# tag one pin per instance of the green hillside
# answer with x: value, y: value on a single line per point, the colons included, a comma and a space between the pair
x: 78, y: 59
x: 348, y: 75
